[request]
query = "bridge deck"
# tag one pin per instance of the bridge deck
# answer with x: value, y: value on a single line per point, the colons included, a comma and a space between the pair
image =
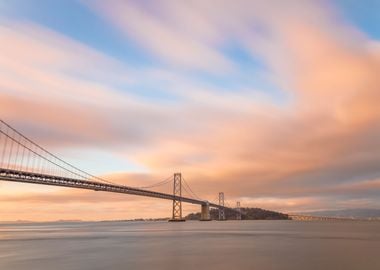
x: 44, y: 179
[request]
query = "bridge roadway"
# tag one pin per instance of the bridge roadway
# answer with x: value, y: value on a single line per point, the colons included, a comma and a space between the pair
x: 318, y: 218
x: 44, y: 179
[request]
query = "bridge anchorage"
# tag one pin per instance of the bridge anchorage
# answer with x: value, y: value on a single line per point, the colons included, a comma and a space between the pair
x: 24, y: 161
x: 205, y: 212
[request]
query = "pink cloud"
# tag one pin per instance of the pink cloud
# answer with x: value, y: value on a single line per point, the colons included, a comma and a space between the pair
x: 320, y: 147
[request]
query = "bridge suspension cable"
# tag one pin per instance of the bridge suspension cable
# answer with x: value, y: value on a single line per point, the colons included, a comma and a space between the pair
x: 187, y: 187
x: 161, y: 183
x: 22, y: 154
x: 34, y: 158
x: 23, y: 160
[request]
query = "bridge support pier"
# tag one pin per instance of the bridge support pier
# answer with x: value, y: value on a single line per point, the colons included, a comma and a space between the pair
x: 177, y: 202
x: 205, y: 212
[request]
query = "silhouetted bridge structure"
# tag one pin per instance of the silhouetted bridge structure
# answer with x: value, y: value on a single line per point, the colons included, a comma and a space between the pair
x: 299, y: 217
x: 24, y: 161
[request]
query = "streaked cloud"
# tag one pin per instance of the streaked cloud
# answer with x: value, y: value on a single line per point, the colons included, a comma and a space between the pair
x: 317, y: 148
x: 164, y: 36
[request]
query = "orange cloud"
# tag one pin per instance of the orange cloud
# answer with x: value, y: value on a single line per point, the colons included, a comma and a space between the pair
x: 319, y: 148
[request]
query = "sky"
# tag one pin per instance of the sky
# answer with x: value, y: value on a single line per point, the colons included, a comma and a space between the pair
x: 273, y: 102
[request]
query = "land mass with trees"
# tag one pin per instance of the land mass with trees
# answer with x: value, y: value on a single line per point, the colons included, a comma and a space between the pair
x: 246, y: 214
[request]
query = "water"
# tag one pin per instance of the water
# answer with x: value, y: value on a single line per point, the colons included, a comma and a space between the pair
x: 229, y: 245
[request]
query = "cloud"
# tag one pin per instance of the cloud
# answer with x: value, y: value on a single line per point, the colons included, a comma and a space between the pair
x: 165, y: 38
x: 318, y: 150
x: 44, y: 71
x: 325, y: 136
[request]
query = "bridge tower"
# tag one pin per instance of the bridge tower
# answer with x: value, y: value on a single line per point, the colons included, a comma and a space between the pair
x: 177, y: 201
x: 238, y: 209
x: 221, y: 206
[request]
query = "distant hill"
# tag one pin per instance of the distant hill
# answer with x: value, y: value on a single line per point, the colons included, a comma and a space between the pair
x: 247, y: 214
x: 347, y: 213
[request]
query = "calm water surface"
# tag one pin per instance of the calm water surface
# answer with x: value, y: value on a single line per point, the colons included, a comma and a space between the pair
x: 228, y: 245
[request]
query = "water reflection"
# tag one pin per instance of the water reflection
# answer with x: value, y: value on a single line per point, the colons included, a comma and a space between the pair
x: 190, y: 245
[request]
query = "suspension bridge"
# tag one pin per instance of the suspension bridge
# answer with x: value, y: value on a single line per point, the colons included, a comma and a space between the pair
x: 24, y: 161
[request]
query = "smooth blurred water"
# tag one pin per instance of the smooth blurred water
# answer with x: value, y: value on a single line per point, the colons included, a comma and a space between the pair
x: 197, y: 245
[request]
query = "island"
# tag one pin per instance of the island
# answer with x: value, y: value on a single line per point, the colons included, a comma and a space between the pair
x: 246, y: 214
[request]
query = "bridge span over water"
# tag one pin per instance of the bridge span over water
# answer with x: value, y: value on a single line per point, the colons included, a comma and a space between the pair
x: 24, y: 161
